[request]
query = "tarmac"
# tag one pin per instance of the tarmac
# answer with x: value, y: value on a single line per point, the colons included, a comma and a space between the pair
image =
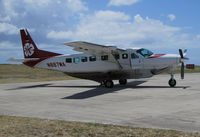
x: 147, y: 103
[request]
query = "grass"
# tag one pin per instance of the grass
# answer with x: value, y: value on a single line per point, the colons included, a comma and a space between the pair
x: 19, y: 126
x: 22, y: 73
x: 196, y: 70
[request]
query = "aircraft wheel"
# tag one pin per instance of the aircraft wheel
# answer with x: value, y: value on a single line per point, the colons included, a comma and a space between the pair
x: 123, y: 81
x: 172, y: 82
x: 109, y: 84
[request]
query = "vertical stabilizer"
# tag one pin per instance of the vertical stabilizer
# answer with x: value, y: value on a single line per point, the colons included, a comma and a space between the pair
x: 31, y: 51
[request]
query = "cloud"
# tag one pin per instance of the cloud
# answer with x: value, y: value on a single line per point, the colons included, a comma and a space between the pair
x: 5, y: 19
x: 122, y: 2
x: 8, y: 29
x: 198, y: 36
x: 90, y: 23
x: 172, y: 17
x: 7, y: 45
x: 76, y: 5
x: 59, y: 35
x: 38, y: 2
x: 109, y: 27
x: 40, y: 13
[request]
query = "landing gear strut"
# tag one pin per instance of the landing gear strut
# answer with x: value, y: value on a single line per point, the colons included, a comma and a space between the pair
x: 172, y: 81
x: 122, y: 81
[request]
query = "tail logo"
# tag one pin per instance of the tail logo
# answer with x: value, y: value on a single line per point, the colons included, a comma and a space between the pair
x: 28, y: 49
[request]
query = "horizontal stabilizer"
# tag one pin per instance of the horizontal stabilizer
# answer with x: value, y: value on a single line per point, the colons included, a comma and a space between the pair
x: 22, y: 60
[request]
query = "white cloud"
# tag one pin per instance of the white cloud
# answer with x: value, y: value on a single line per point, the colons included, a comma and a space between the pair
x: 76, y: 5
x: 5, y: 19
x: 110, y: 16
x: 8, y: 50
x: 122, y: 2
x: 40, y: 9
x: 7, y: 45
x: 8, y: 29
x: 198, y: 36
x: 117, y: 28
x: 38, y: 2
x: 172, y: 17
x: 7, y: 8
x: 59, y: 35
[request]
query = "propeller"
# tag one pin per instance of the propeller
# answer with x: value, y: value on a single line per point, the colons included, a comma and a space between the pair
x: 182, y: 60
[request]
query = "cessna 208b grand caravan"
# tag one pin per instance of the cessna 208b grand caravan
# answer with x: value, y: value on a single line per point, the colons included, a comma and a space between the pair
x: 102, y: 63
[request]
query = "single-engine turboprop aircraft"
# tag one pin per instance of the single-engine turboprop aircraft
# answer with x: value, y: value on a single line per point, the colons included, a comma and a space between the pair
x: 102, y: 63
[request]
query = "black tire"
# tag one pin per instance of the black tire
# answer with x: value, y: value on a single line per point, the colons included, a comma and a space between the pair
x: 108, y: 84
x: 172, y: 82
x: 123, y: 81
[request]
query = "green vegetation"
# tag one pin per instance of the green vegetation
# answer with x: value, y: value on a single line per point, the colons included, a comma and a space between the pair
x: 196, y: 70
x: 19, y: 126
x: 22, y: 73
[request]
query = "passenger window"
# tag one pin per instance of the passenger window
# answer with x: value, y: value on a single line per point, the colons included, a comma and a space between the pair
x: 125, y: 56
x: 105, y: 57
x: 134, y: 56
x: 76, y: 60
x: 92, y: 58
x: 68, y: 60
x: 116, y: 56
x: 84, y: 59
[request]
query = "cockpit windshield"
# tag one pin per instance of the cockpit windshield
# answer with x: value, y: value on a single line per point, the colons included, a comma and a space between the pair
x: 144, y: 52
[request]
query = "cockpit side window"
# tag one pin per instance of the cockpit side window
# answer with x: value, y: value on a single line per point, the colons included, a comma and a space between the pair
x: 144, y: 52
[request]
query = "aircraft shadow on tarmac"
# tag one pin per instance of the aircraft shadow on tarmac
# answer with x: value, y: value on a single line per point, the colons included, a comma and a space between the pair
x: 32, y: 86
x: 102, y: 90
x: 97, y: 90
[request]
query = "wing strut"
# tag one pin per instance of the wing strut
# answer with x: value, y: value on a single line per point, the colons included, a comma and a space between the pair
x: 116, y: 61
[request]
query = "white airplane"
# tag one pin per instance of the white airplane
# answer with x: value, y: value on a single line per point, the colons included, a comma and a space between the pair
x: 102, y: 63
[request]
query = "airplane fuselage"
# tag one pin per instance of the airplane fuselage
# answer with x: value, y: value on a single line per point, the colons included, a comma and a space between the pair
x: 130, y: 65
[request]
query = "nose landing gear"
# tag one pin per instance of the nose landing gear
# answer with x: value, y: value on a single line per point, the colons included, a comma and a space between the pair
x: 172, y: 81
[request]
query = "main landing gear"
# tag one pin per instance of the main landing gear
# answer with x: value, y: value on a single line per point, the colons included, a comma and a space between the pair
x: 110, y: 84
x: 123, y: 81
x: 172, y: 81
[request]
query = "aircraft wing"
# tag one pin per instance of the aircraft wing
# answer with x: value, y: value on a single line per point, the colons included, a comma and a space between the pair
x: 93, y: 49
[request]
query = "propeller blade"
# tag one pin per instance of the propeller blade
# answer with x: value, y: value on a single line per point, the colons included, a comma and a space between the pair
x: 181, y: 53
x: 185, y: 52
x: 182, y: 70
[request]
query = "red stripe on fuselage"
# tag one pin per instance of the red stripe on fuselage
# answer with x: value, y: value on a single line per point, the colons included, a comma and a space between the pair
x: 33, y: 63
x: 157, y: 55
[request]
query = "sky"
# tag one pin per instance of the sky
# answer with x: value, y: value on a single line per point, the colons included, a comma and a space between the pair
x: 163, y: 26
